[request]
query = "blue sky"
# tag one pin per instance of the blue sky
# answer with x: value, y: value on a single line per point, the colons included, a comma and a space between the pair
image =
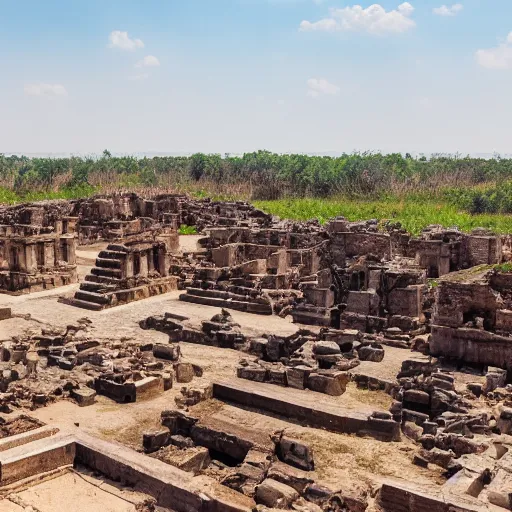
x: 240, y: 75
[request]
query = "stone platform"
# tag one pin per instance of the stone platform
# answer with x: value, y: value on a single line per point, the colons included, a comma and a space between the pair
x: 308, y: 407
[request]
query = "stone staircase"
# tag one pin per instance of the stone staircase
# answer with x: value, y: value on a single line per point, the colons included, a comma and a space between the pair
x: 227, y: 299
x: 96, y: 291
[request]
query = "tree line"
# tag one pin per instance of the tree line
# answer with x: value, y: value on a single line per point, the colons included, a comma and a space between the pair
x: 260, y: 174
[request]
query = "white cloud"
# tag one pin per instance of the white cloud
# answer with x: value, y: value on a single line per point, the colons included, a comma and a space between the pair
x: 139, y: 77
x: 495, y: 58
x: 120, y: 39
x: 499, y: 57
x: 41, y: 89
x: 444, y: 10
x: 319, y: 86
x: 374, y: 19
x: 149, y: 61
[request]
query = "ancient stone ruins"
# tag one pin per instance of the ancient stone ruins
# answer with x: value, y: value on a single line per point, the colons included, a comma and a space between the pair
x: 259, y: 365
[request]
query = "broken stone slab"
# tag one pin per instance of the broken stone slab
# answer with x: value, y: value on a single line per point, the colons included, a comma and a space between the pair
x: 275, y: 348
x: 275, y: 494
x: 442, y: 458
x: 244, y: 479
x: 295, y: 452
x: 293, y: 477
x: 301, y: 505
x: 351, y: 495
x: 192, y: 396
x: 212, y: 437
x: 416, y: 396
x: 120, y: 392
x: 459, y: 444
x: 154, y: 440
x: 297, y: 376
x: 443, y: 381
x: 258, y: 346
x: 178, y: 422
x: 259, y: 458
x: 170, y: 352
x: 411, y: 430
x: 181, y: 441
x: 325, y: 348
x: 494, y: 378
x: 184, y: 372
x: 318, y: 494
x: 332, y: 383
x: 192, y: 460
x: 371, y: 353
x: 277, y: 376
x: 252, y: 372
x: 83, y: 396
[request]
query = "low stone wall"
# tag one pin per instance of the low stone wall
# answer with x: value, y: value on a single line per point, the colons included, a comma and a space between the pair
x: 308, y: 409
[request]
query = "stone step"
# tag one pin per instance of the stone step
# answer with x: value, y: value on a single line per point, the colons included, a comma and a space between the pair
x: 219, y: 294
x: 311, y: 318
x: 96, y: 298
x: 117, y: 248
x: 108, y: 263
x: 111, y: 255
x: 106, y: 272
x: 249, y: 307
x: 97, y: 287
x: 91, y: 278
x: 86, y: 305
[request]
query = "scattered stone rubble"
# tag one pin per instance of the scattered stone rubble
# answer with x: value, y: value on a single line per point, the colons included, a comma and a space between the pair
x: 277, y: 471
x: 366, y: 289
x: 41, y: 368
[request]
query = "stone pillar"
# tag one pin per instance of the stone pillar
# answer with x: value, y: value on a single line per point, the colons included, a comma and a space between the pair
x: 127, y: 266
x: 31, y: 258
x: 22, y: 259
x: 144, y: 263
x: 52, y: 257
x: 71, y: 242
x: 57, y: 251
x: 151, y: 261
x: 163, y: 262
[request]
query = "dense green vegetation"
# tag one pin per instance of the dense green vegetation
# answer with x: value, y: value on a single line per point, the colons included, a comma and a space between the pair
x: 259, y: 175
x: 450, y: 190
x: 413, y: 212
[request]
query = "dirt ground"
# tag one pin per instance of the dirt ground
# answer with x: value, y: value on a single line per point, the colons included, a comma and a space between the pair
x: 84, y: 493
x: 338, y: 457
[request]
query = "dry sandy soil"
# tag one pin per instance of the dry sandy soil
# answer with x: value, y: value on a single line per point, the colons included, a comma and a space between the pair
x: 84, y: 493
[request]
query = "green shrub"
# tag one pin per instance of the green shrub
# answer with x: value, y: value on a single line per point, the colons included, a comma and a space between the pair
x: 187, y: 230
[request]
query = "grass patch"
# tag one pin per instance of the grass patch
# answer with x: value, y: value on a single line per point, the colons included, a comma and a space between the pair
x: 8, y: 196
x: 505, y: 268
x: 414, y: 213
x: 187, y: 230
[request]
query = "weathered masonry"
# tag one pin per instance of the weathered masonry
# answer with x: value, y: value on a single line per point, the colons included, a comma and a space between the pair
x: 36, y: 257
